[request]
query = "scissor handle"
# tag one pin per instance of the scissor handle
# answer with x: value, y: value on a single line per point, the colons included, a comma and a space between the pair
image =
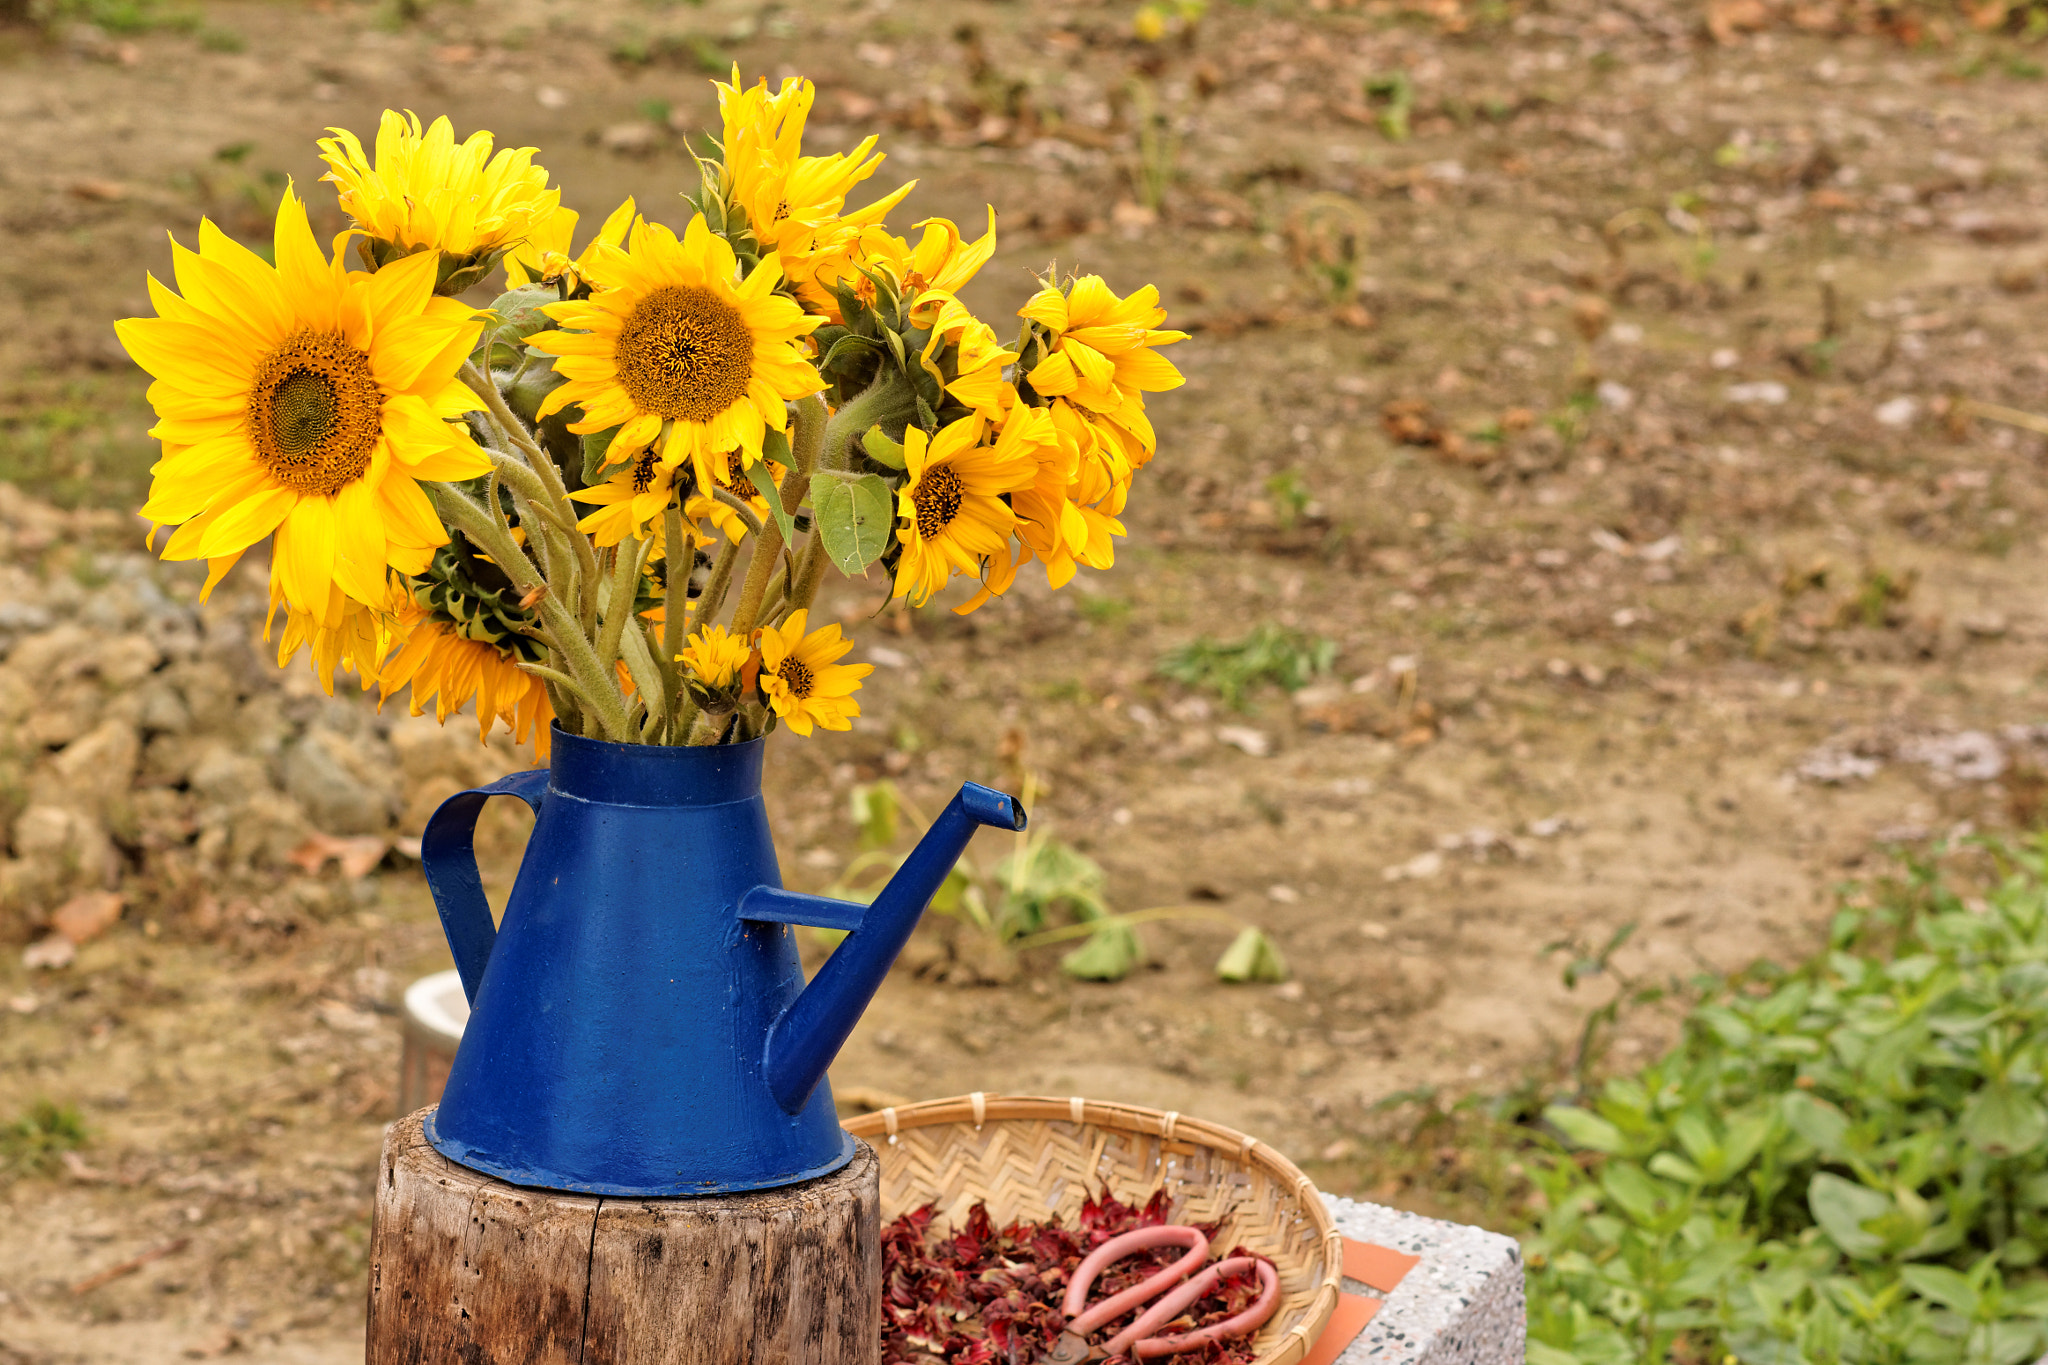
x: 1171, y: 1307
x: 1115, y: 1249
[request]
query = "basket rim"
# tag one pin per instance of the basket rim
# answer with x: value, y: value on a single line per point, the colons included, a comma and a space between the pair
x: 1168, y: 1125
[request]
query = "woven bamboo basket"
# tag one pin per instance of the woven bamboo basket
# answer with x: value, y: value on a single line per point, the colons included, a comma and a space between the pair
x: 1027, y: 1156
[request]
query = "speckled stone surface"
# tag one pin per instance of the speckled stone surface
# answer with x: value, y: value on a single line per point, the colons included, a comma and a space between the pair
x: 1462, y: 1305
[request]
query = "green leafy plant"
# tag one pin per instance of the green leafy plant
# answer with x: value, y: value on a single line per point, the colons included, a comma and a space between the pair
x: 1291, y: 496
x: 1269, y: 653
x: 33, y: 1143
x: 1847, y: 1162
x: 1042, y: 892
x: 1393, y: 95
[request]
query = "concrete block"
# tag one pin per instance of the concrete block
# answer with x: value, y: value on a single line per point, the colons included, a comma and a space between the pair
x: 1463, y: 1304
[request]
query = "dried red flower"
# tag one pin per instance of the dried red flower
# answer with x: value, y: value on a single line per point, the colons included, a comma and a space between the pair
x: 987, y: 1296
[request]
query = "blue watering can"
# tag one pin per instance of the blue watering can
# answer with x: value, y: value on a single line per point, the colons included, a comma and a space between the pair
x: 640, y: 1023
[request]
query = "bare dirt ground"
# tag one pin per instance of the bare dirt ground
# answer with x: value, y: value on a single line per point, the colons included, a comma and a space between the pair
x: 1610, y: 422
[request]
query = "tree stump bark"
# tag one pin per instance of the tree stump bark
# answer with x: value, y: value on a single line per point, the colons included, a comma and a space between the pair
x: 466, y: 1268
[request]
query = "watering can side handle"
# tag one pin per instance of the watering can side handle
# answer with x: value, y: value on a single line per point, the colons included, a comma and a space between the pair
x: 773, y: 905
x: 448, y: 858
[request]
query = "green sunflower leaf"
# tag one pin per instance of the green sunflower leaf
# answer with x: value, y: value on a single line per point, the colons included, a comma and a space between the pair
x: 598, y: 465
x: 765, y: 482
x: 854, y: 517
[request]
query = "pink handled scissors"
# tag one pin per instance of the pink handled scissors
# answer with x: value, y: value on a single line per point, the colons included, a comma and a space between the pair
x: 1072, y: 1348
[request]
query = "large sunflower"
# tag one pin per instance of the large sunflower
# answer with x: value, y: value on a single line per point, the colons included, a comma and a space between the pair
x: 442, y: 665
x: 303, y: 399
x: 953, y: 513
x: 803, y: 681
x: 677, y: 355
x: 425, y: 193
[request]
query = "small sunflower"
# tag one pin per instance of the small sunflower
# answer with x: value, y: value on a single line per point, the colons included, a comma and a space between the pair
x: 1067, y: 517
x: 953, y: 513
x: 628, y: 501
x: 306, y: 400
x: 803, y: 681
x: 442, y: 665
x: 425, y: 193
x: 979, y: 362
x: 674, y: 353
x: 722, y: 515
x: 715, y: 655
x: 1101, y: 353
x: 543, y: 258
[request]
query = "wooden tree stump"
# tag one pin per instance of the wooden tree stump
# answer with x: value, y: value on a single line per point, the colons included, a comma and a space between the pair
x: 464, y: 1267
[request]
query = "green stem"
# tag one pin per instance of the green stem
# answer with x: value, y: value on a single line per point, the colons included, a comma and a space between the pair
x: 806, y: 441
x: 566, y: 635
x: 807, y: 434
x: 646, y: 677
x: 682, y: 561
x: 809, y: 575
x: 740, y: 506
x: 528, y: 485
x: 712, y: 600
x: 618, y: 607
x: 1135, y: 917
x: 767, y: 554
x: 556, y: 492
x: 888, y: 401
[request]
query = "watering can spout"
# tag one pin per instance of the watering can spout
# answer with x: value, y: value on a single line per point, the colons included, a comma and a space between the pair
x: 807, y: 1035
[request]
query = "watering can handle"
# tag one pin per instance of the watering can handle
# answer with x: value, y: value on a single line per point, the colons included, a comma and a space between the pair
x: 448, y: 857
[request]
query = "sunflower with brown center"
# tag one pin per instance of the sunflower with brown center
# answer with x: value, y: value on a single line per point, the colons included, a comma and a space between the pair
x: 677, y: 352
x: 952, y: 512
x: 802, y: 678
x: 305, y: 400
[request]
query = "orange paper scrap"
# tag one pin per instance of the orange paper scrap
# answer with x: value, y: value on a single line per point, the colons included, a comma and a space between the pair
x: 1347, y: 1320
x: 1381, y: 1267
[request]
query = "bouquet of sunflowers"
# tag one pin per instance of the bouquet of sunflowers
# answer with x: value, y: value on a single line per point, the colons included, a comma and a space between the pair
x: 609, y: 500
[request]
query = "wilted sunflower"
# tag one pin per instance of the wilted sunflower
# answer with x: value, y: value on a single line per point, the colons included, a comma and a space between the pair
x: 803, y: 681
x: 954, y: 517
x: 303, y: 399
x: 715, y: 655
x: 675, y: 354
x: 443, y: 666
x: 425, y: 193
x: 359, y: 639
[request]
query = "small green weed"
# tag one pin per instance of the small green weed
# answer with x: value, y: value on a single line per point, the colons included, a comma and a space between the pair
x: 32, y: 1143
x: 1291, y: 496
x: 1101, y: 609
x: 1270, y: 653
x: 1393, y: 95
